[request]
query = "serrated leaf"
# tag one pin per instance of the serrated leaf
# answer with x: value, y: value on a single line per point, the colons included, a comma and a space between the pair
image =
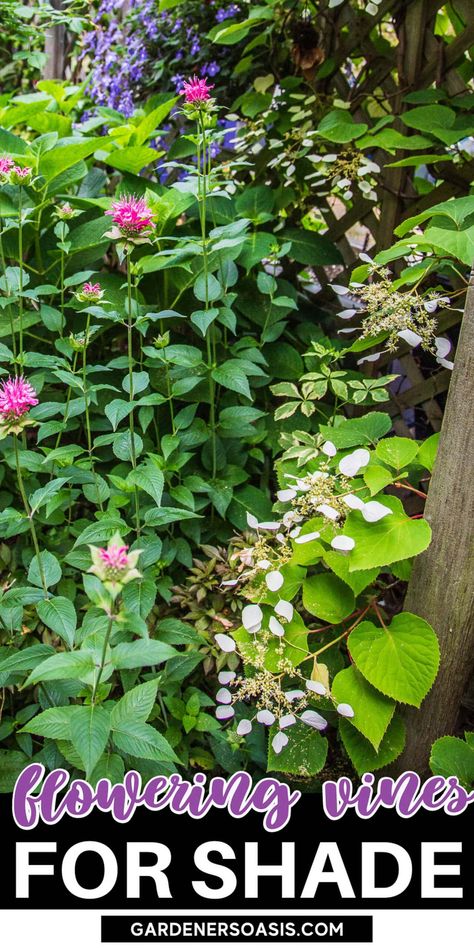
x: 304, y: 755
x: 59, y: 615
x: 54, y: 723
x: 136, y: 703
x: 450, y: 756
x: 327, y: 597
x: 64, y: 665
x: 397, y: 452
x: 372, y: 711
x: 140, y: 653
x: 394, y: 537
x: 363, y: 756
x: 355, y: 431
x: 142, y: 740
x: 400, y: 660
x: 90, y: 729
x: 150, y: 479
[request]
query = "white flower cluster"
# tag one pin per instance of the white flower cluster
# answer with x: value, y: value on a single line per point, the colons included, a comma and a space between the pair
x: 276, y: 706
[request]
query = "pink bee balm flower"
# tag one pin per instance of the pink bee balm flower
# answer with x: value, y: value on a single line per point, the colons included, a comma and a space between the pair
x: 17, y: 396
x: 93, y: 288
x: 131, y: 215
x: 113, y: 564
x: 196, y: 91
x: 6, y: 164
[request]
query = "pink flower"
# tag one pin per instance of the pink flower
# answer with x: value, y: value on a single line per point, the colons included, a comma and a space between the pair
x: 17, y: 396
x: 196, y: 91
x: 20, y: 175
x: 132, y: 215
x: 115, y: 557
x: 92, y: 288
x: 6, y: 164
x: 114, y: 565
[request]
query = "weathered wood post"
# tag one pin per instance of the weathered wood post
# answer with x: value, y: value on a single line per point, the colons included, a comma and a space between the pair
x: 55, y: 48
x: 441, y: 588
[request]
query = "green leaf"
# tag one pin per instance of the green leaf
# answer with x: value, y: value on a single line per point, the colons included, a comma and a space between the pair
x: 428, y: 450
x: 132, y: 159
x: 357, y: 580
x: 256, y: 204
x: 397, y: 452
x: 363, y: 756
x: 160, y: 516
x: 101, y: 531
x: 400, y: 660
x: 64, y: 665
x: 310, y: 248
x: 207, y: 288
x: 136, y: 704
x: 176, y: 632
x: 90, y: 729
x: 59, y: 615
x: 377, y: 477
x: 11, y: 765
x: 139, y: 597
x: 393, y: 538
x: 304, y: 755
x: 140, y: 653
x: 109, y: 767
x: 372, y: 710
x: 355, y: 431
x: 450, y: 756
x: 54, y: 723
x: 39, y: 497
x: 51, y: 569
x: 142, y: 740
x: 150, y: 479
x: 182, y: 665
x: 24, y: 660
x: 64, y: 156
x: 339, y: 126
x: 232, y: 376
x: 327, y: 597
x: 295, y: 645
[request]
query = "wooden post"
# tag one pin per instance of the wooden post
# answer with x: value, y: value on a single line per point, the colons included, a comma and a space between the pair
x: 55, y: 48
x: 441, y: 588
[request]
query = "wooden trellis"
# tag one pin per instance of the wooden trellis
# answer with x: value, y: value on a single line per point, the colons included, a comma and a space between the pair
x: 416, y: 59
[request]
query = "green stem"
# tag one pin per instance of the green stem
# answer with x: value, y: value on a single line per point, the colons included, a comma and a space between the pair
x: 210, y: 339
x: 131, y: 392
x: 20, y: 279
x: 30, y: 517
x: 102, y: 657
x: 68, y: 399
x: 86, y: 409
x: 9, y: 310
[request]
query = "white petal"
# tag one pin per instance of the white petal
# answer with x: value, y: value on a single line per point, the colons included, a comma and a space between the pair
x: 281, y: 537
x: 431, y: 306
x: 252, y: 616
x: 370, y: 358
x: 263, y: 564
x: 314, y: 720
x: 225, y: 678
x: 346, y: 710
x: 308, y: 537
x: 352, y: 463
x: 364, y: 256
x: 347, y: 313
x: 443, y: 346
x: 316, y: 686
x: 224, y: 712
x: 374, y: 511
x: 328, y: 511
x: 343, y: 543
x: 340, y: 290
x: 274, y: 580
x: 285, y: 495
x: 230, y: 582
x: 279, y: 742
x: 412, y: 338
x: 446, y: 364
x: 252, y: 521
x: 329, y: 448
x: 225, y: 642
x: 372, y: 9
x: 285, y: 609
x: 354, y: 502
x: 295, y: 533
x: 287, y: 721
x: 276, y: 627
x: 270, y: 525
x: 224, y: 696
x: 265, y: 717
x: 244, y: 727
x: 294, y: 695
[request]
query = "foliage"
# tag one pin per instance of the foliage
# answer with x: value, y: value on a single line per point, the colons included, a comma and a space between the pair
x: 170, y: 312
